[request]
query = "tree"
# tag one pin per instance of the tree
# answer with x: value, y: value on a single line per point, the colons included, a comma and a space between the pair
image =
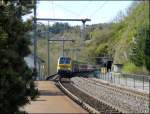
x: 147, y: 48
x: 140, y: 51
x: 16, y: 83
x: 59, y: 27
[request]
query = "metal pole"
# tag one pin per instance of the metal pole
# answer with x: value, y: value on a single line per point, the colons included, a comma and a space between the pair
x: 126, y: 81
x: 61, y: 41
x: 83, y: 31
x: 48, y: 45
x: 58, y: 19
x: 77, y: 53
x: 34, y: 38
x: 108, y: 77
x: 134, y: 81
x: 40, y: 78
x: 82, y: 34
x: 149, y: 95
x: 119, y: 78
x: 48, y: 55
x: 114, y: 79
x: 63, y: 46
x: 143, y: 82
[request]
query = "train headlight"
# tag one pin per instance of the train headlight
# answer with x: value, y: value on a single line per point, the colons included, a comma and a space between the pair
x: 58, y: 67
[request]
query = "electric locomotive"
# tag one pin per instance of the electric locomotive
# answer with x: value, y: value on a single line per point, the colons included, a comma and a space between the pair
x: 64, y: 66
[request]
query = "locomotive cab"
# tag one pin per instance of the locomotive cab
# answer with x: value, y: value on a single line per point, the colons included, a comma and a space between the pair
x: 64, y: 67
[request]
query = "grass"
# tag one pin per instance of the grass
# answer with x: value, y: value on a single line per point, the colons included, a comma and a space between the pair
x: 133, y: 69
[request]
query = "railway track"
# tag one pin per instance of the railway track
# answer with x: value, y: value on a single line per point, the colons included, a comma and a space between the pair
x: 89, y: 103
x: 124, y: 100
x: 125, y: 90
x: 103, y: 97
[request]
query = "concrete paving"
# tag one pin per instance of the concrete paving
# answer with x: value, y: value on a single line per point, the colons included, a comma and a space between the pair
x: 52, y: 100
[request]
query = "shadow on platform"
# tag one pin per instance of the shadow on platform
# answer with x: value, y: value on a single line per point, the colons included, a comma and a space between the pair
x: 49, y: 93
x: 39, y: 100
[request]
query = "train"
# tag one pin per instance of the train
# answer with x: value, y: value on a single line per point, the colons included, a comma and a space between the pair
x: 66, y: 67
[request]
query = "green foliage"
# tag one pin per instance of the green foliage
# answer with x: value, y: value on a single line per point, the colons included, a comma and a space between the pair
x: 59, y: 27
x: 114, y: 39
x: 132, y: 68
x: 140, y: 54
x: 117, y: 39
x: 16, y: 84
x: 137, y: 17
x: 140, y: 47
x: 102, y: 50
x: 147, y: 62
x: 14, y: 91
x: 147, y: 49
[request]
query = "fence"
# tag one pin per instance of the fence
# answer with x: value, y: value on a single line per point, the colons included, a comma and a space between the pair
x: 130, y: 80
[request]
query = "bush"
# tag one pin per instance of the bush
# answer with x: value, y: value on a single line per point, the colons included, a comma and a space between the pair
x: 102, y: 49
x: 16, y: 82
x: 133, y: 69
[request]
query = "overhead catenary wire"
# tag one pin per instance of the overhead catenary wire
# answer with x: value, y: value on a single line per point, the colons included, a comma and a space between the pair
x: 86, y: 7
x: 69, y: 11
x: 53, y: 9
x: 98, y: 9
x: 77, y: 14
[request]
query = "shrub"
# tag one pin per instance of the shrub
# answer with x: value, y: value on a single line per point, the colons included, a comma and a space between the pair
x: 133, y: 69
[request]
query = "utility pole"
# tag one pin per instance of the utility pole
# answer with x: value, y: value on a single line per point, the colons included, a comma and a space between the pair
x: 74, y: 50
x: 48, y: 53
x: 63, y: 40
x: 52, y: 19
x: 82, y: 35
x: 63, y: 46
x: 35, y: 39
x: 77, y: 50
x: 83, y: 30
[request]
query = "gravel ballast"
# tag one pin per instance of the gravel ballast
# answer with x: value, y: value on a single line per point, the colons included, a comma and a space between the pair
x: 120, y: 100
x: 101, y: 107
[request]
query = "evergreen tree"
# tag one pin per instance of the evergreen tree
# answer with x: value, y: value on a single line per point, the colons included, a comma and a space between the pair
x: 140, y: 50
x: 147, y: 48
x: 16, y: 84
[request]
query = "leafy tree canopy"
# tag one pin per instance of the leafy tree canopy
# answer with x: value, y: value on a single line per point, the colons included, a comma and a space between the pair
x: 16, y: 84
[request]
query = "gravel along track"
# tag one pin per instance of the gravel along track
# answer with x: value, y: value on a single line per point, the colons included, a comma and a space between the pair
x: 121, y: 100
x: 101, y: 107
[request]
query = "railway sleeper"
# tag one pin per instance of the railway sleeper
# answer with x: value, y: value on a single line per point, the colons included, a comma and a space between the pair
x: 98, y: 105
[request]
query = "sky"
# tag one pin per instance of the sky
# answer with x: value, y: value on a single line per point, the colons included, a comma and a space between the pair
x: 97, y: 11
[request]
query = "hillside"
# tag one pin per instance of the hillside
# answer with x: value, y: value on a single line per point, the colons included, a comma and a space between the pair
x: 118, y: 38
x: 126, y: 41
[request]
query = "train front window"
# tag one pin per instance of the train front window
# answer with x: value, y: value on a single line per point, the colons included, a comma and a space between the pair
x: 64, y: 61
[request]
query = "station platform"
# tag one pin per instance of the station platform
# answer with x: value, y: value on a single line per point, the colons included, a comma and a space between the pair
x: 52, y: 100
